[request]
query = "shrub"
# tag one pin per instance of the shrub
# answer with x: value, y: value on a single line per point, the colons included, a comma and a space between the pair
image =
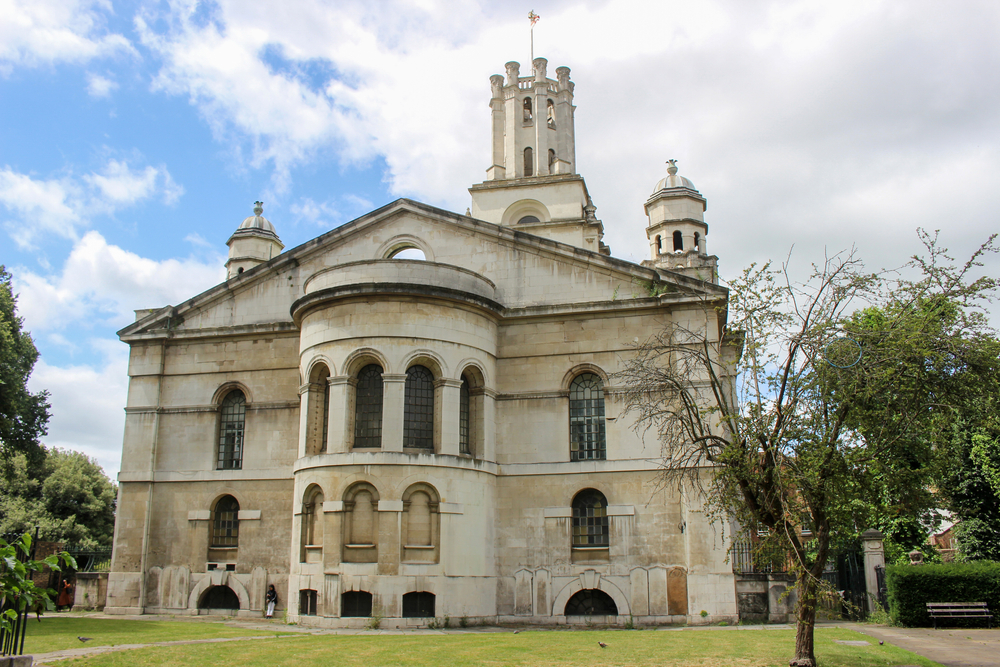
x: 912, y: 586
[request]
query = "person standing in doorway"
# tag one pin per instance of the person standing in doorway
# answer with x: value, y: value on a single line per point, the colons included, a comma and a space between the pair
x: 270, y: 599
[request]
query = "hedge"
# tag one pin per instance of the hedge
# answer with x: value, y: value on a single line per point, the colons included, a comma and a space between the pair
x: 912, y: 586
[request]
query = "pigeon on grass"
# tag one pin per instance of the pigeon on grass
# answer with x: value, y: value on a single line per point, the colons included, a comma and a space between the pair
x: 84, y: 639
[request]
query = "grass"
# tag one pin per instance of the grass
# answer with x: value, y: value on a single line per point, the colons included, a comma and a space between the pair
x: 696, y: 648
x: 55, y: 633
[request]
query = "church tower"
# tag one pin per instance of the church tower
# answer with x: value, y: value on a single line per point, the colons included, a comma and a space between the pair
x: 532, y: 183
x: 254, y: 242
x: 677, y: 228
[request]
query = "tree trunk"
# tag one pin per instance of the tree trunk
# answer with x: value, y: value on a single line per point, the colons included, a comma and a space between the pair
x: 805, y: 655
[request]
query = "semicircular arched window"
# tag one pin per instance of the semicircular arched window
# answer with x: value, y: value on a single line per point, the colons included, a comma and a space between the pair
x: 409, y: 252
x: 591, y: 602
x: 586, y: 418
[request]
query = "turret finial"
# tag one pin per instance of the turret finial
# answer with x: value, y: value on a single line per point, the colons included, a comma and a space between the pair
x: 672, y: 169
x: 258, y: 207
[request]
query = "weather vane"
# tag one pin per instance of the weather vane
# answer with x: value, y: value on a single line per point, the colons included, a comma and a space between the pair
x: 533, y: 17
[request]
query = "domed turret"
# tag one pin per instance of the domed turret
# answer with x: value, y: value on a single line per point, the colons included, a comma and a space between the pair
x: 677, y: 227
x: 673, y: 180
x: 258, y: 221
x: 254, y: 242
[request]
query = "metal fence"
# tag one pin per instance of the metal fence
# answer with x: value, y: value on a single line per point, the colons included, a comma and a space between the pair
x: 12, y: 641
x: 883, y: 588
x: 745, y: 561
x: 90, y: 559
x: 844, y: 574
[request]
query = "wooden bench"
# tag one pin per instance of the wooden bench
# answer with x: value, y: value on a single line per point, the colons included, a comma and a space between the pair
x: 959, y: 610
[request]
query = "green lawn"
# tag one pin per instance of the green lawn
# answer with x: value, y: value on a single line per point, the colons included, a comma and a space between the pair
x: 701, y: 648
x: 61, y: 631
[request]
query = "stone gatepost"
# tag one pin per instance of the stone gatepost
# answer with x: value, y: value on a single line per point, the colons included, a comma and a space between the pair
x: 874, y: 557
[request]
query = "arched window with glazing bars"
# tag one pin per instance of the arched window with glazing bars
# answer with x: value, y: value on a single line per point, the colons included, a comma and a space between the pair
x: 586, y: 418
x: 232, y: 422
x: 368, y: 407
x: 590, y: 520
x: 418, y: 408
x: 226, y: 523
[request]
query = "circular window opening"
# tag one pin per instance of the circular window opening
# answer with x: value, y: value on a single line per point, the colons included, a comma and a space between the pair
x: 408, y: 253
x: 528, y: 218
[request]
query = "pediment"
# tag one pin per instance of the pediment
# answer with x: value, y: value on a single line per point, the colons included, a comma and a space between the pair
x: 526, y: 273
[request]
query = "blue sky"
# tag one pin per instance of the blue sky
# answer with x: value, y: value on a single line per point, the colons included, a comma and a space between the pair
x: 135, y: 137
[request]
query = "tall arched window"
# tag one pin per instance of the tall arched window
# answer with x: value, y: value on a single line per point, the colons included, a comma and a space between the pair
x: 418, y: 409
x: 586, y: 418
x: 318, y: 407
x: 659, y: 244
x: 550, y: 114
x: 368, y: 407
x: 697, y: 241
x: 552, y: 159
x: 226, y: 523
x: 590, y: 521
x: 326, y: 415
x: 527, y: 109
x: 678, y: 241
x: 232, y: 421
x: 529, y: 162
x: 464, y: 423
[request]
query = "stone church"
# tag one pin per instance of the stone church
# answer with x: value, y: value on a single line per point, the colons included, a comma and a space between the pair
x: 415, y: 415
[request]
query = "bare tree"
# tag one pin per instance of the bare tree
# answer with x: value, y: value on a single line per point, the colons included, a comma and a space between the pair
x: 808, y: 391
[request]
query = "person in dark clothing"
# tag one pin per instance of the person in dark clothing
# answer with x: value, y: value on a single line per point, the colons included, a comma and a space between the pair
x: 270, y: 599
x: 65, y: 598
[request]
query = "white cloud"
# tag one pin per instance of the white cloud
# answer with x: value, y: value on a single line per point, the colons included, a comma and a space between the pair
x: 120, y: 185
x: 33, y: 32
x: 62, y: 206
x: 39, y: 206
x: 99, y: 86
x: 101, y: 285
x: 87, y: 402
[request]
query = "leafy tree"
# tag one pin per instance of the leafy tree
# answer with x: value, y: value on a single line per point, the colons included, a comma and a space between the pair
x: 17, y: 589
x: 71, y: 501
x: 971, y: 496
x: 23, y: 415
x: 816, y: 398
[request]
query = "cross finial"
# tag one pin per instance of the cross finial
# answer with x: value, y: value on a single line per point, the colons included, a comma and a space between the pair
x: 258, y: 207
x: 672, y: 168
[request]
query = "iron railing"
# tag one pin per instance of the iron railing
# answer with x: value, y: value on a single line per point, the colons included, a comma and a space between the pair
x: 12, y: 641
x: 90, y: 559
x: 745, y: 561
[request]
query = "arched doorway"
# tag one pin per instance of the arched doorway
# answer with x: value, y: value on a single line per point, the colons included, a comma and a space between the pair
x: 591, y: 602
x: 220, y: 597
